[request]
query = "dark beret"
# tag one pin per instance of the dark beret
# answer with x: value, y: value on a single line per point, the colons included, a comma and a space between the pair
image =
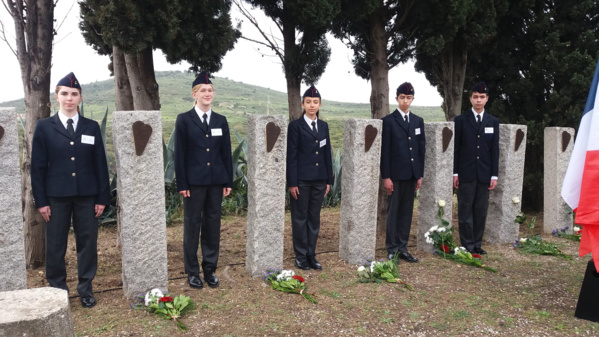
x: 405, y: 88
x: 312, y: 92
x: 481, y: 87
x: 203, y: 78
x: 69, y: 81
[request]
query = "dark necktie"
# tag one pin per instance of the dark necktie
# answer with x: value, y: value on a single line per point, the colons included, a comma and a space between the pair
x: 70, y: 129
x: 205, y: 122
x: 405, y: 117
x: 314, y: 131
x: 478, y: 120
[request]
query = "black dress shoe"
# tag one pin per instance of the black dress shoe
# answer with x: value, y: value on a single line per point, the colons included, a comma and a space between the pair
x: 480, y: 251
x: 88, y: 301
x: 211, y: 280
x: 407, y: 257
x: 302, y: 265
x: 195, y: 282
x: 314, y: 264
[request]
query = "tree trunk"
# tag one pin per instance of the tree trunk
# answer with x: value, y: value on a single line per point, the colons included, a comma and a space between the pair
x: 452, y: 75
x: 34, y: 33
x: 379, y: 97
x: 293, y: 73
x: 122, y: 88
x: 294, y: 98
x: 140, y: 69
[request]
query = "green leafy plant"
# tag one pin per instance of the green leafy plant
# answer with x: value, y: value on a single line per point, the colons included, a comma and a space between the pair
x: 534, y: 244
x: 575, y: 235
x: 381, y: 271
x: 333, y: 198
x: 287, y: 282
x: 166, y: 306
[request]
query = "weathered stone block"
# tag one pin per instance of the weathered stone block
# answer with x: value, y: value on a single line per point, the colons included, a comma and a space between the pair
x: 12, y: 244
x: 36, y: 312
x: 559, y: 143
x: 359, y: 189
x: 437, y: 182
x: 140, y: 185
x: 267, y: 153
x: 503, y: 207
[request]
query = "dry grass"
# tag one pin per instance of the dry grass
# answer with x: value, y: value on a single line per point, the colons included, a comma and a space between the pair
x: 530, y: 295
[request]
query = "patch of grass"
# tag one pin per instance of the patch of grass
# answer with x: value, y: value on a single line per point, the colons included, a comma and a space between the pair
x: 460, y: 314
x: 386, y: 320
x: 332, y: 294
x: 406, y: 303
x: 414, y: 315
x: 543, y: 313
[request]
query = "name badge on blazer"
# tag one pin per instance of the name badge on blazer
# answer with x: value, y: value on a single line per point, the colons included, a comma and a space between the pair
x: 417, y: 131
x: 488, y: 130
x: 217, y: 132
x: 85, y: 139
x: 323, y: 142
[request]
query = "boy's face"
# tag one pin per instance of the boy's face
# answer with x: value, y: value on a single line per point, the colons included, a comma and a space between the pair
x: 404, y: 101
x: 478, y: 101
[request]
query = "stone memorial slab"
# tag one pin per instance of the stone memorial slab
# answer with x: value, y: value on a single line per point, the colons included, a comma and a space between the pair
x: 505, y: 199
x: 13, y: 275
x: 437, y: 182
x: 359, y: 189
x: 141, y: 204
x: 556, y: 153
x: 266, y: 164
x: 36, y: 312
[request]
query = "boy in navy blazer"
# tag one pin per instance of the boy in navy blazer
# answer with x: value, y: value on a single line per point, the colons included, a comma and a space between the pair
x: 475, y: 167
x: 204, y: 172
x: 402, y: 168
x: 309, y: 177
x: 69, y: 179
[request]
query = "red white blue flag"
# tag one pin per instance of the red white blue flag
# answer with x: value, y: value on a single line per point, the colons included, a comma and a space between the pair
x: 581, y: 183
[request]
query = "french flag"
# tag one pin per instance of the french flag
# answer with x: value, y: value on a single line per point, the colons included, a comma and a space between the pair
x: 581, y: 183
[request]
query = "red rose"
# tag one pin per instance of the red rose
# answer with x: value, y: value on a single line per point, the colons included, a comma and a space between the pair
x: 445, y: 248
x: 579, y: 232
x: 165, y: 299
x: 477, y: 256
x: 299, y: 278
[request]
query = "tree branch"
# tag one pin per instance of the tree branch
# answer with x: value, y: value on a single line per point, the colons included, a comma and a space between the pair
x: 3, y: 37
x: 270, y: 42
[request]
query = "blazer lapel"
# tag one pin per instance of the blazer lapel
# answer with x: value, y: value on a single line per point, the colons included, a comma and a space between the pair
x: 58, y: 126
x: 82, y: 125
x: 400, y: 120
x: 307, y: 128
x: 196, y: 119
x: 472, y: 120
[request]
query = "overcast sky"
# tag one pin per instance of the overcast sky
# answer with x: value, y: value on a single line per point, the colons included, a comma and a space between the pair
x: 245, y: 63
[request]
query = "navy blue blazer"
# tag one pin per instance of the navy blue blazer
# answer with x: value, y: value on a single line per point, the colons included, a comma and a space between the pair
x: 202, y: 156
x: 65, y: 166
x: 402, y: 148
x: 308, y: 157
x: 476, y: 153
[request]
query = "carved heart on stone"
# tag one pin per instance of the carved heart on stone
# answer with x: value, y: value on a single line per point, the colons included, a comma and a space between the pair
x: 273, y: 131
x: 566, y: 137
x: 369, y: 136
x: 1, y: 132
x: 447, y: 135
x: 519, y: 139
x: 141, y: 136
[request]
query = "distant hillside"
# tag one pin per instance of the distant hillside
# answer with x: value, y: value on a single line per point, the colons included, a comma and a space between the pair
x: 233, y: 99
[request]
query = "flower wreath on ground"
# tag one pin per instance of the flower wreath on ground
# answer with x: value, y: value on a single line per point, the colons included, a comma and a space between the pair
x: 534, y: 244
x: 441, y: 237
x: 563, y: 233
x: 379, y: 271
x: 165, y: 306
x: 287, y: 282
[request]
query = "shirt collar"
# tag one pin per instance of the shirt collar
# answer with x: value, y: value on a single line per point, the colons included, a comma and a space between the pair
x: 404, y: 113
x: 309, y: 121
x: 201, y: 113
x: 63, y: 119
x: 476, y: 113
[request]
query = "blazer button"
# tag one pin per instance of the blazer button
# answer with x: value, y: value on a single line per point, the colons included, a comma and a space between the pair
x: 207, y: 150
x: 478, y: 147
x: 316, y: 152
x: 477, y: 157
x: 73, y: 158
x: 72, y: 143
x: 410, y: 149
x: 412, y: 159
x: 409, y: 138
x: 74, y: 174
x: 316, y: 164
x: 207, y: 136
x: 316, y: 141
x: 478, y: 136
x: 208, y: 164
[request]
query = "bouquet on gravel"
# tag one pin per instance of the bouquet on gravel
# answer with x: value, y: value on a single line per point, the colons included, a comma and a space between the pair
x: 287, y: 282
x: 534, y: 244
x: 381, y: 271
x: 441, y: 237
x: 166, y: 306
x: 563, y: 233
